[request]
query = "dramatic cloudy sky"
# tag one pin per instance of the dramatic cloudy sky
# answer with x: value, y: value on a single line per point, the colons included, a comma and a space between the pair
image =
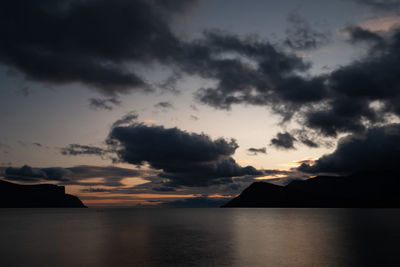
x: 186, y: 102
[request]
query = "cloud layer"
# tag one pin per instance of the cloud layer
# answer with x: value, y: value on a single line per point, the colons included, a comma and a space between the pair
x: 186, y: 159
x: 91, y: 42
x: 377, y: 150
x: 111, y: 176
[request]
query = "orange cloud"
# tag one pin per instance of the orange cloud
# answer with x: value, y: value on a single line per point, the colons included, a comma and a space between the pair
x: 381, y: 23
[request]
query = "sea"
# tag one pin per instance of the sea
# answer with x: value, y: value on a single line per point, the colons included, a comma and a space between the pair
x: 199, y: 237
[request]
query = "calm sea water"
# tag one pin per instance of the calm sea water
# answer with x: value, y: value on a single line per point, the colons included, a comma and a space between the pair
x: 200, y: 237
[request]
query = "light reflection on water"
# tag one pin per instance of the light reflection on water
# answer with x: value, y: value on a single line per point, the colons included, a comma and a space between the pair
x: 199, y: 237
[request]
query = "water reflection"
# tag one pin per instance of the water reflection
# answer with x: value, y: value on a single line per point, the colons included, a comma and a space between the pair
x: 199, y: 237
x: 290, y: 237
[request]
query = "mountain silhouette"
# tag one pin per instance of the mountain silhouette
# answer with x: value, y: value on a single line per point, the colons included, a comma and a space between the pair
x: 361, y: 189
x: 36, y: 196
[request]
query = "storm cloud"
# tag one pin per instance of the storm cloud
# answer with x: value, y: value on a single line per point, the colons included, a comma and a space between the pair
x: 68, y: 41
x: 90, y: 42
x: 377, y: 150
x: 347, y: 100
x: 185, y: 159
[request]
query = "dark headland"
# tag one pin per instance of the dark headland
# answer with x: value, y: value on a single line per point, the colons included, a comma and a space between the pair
x: 358, y: 190
x: 36, y: 196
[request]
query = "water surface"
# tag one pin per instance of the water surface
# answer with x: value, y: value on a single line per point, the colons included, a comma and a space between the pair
x: 199, y: 237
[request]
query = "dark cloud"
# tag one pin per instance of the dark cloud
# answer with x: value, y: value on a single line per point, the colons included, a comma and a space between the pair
x: 348, y: 99
x: 112, y: 182
x: 126, y: 119
x: 271, y: 79
x: 359, y: 34
x: 65, y: 41
x: 377, y: 150
x: 110, y: 176
x: 308, y: 138
x: 106, y: 103
x: 186, y: 159
x: 90, y: 42
x: 309, y: 143
x: 87, y: 171
x: 283, y: 141
x: 37, y: 144
x: 164, y: 189
x: 301, y: 36
x: 362, y: 93
x: 56, y: 173
x: 164, y: 105
x: 29, y: 174
x: 255, y: 151
x: 77, y: 149
x: 26, y: 173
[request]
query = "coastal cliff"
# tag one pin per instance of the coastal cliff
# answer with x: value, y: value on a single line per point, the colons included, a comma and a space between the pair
x: 36, y: 196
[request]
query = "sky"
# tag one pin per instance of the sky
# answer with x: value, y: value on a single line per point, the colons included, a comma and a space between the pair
x: 150, y: 102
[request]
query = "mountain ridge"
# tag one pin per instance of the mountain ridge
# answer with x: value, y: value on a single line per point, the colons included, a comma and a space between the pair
x: 361, y: 189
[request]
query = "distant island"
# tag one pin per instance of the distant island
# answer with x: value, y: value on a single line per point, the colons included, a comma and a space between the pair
x: 36, y: 196
x: 358, y: 190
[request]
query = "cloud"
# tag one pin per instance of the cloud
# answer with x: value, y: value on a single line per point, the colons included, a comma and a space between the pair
x: 29, y: 174
x: 37, y: 144
x: 185, y: 159
x: 170, y: 83
x: 309, y: 142
x: 255, y: 151
x: 377, y: 150
x: 308, y: 138
x: 127, y: 119
x: 71, y: 41
x: 301, y: 36
x: 107, y: 103
x: 359, y: 34
x: 164, y: 105
x: 90, y: 42
x: 271, y: 79
x: 283, y: 141
x: 381, y: 23
x: 348, y: 99
x: 111, y: 176
x: 77, y: 149
x: 362, y: 93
